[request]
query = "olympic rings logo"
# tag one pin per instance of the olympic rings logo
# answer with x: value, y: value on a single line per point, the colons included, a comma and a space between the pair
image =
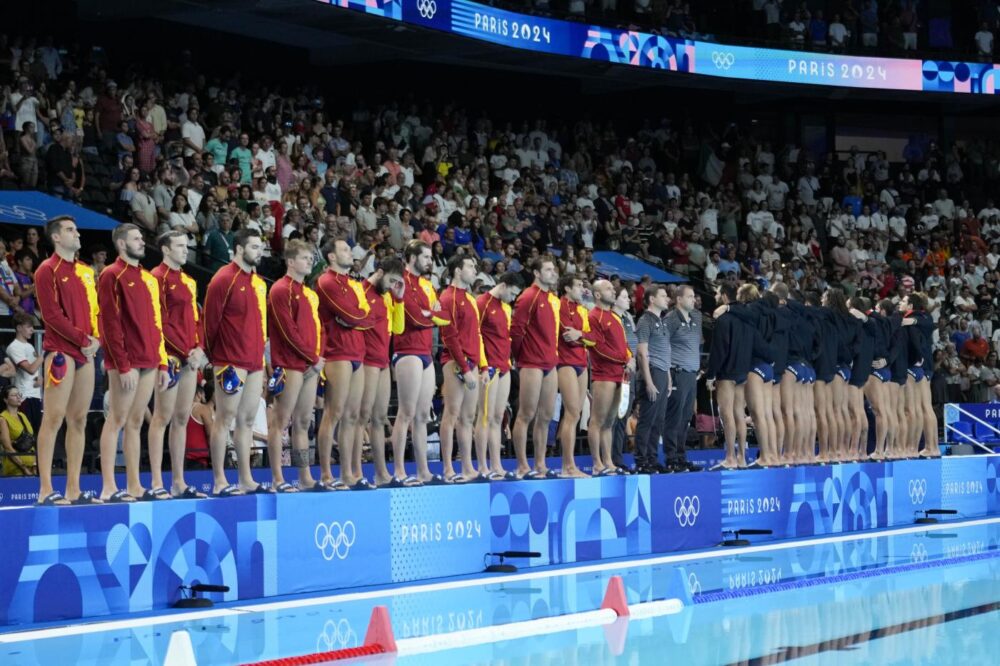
x: 918, y: 490
x: 22, y: 213
x: 723, y: 59
x: 427, y: 8
x: 336, y: 636
x: 694, y: 585
x: 918, y: 553
x: 686, y: 510
x: 335, y: 540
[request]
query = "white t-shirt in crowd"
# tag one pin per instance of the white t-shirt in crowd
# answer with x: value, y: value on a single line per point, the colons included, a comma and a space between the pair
x: 984, y: 40
x: 195, y: 133
x: 28, y: 383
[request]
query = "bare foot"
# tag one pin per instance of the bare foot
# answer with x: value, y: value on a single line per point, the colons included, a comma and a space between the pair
x: 574, y: 473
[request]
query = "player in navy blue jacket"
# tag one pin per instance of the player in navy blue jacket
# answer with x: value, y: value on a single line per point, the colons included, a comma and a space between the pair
x: 923, y: 421
x: 879, y: 387
x: 729, y: 363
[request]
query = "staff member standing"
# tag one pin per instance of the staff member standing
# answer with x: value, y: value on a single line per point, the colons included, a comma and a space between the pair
x: 653, y: 353
x: 684, y: 324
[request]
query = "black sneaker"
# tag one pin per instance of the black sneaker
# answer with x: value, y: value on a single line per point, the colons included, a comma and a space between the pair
x: 678, y: 467
x: 691, y: 467
x: 664, y: 469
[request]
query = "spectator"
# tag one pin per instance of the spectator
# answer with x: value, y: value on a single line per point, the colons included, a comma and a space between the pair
x: 24, y: 271
x: 984, y: 43
x: 869, y: 24
x: 838, y: 34
x: 28, y: 380
x: 219, y: 243
x: 818, y: 29
x: 17, y: 437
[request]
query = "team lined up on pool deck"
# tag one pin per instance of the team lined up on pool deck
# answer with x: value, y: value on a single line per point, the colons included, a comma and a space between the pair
x: 804, y: 369
x: 335, y: 341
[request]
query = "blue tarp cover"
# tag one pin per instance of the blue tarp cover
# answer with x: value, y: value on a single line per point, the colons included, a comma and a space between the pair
x: 34, y: 208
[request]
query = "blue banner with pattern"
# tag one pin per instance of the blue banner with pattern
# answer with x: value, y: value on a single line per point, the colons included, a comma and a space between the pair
x: 635, y: 48
x: 75, y: 562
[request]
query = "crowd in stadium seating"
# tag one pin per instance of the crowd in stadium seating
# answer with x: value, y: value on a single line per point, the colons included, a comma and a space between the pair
x: 708, y: 201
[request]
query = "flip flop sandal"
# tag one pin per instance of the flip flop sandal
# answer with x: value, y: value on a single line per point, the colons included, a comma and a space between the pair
x: 480, y: 478
x: 87, y: 498
x: 285, y: 487
x: 53, y: 499
x: 319, y: 487
x: 551, y: 474
x: 392, y: 483
x: 231, y: 490
x: 455, y: 479
x: 121, y: 497
x: 155, y: 495
x: 607, y: 471
x: 363, y: 484
x: 191, y: 493
x: 412, y: 482
x: 496, y: 476
x: 510, y: 476
x: 436, y: 480
x: 261, y: 489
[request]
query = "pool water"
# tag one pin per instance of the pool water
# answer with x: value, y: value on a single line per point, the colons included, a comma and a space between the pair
x: 912, y: 596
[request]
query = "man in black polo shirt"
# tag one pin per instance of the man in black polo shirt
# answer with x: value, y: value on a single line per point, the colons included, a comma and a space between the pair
x: 684, y: 325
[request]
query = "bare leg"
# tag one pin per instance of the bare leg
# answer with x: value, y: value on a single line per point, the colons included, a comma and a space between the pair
x: 76, y: 421
x: 409, y: 378
x: 481, y: 427
x: 840, y: 418
x: 777, y: 418
x: 226, y: 406
x: 187, y: 388
x: 426, y: 396
x: 164, y: 403
x: 740, y: 412
x: 602, y: 404
x: 466, y: 424
x: 339, y: 379
x: 543, y: 417
x: 905, y: 425
x: 499, y: 394
x: 350, y: 460
x: 302, y: 418
x: 760, y: 409
x: 377, y: 388
x: 860, y: 418
x: 725, y: 393
x: 246, y: 414
x: 914, y: 416
x: 453, y: 392
x: 821, y: 396
x: 120, y: 406
x: 787, y: 391
x: 527, y: 407
x: 55, y: 401
x: 133, y: 423
x: 607, y: 427
x: 281, y: 417
x: 931, y: 449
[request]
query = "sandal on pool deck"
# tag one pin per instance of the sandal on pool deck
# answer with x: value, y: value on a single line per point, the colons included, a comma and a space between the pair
x: 53, y: 499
